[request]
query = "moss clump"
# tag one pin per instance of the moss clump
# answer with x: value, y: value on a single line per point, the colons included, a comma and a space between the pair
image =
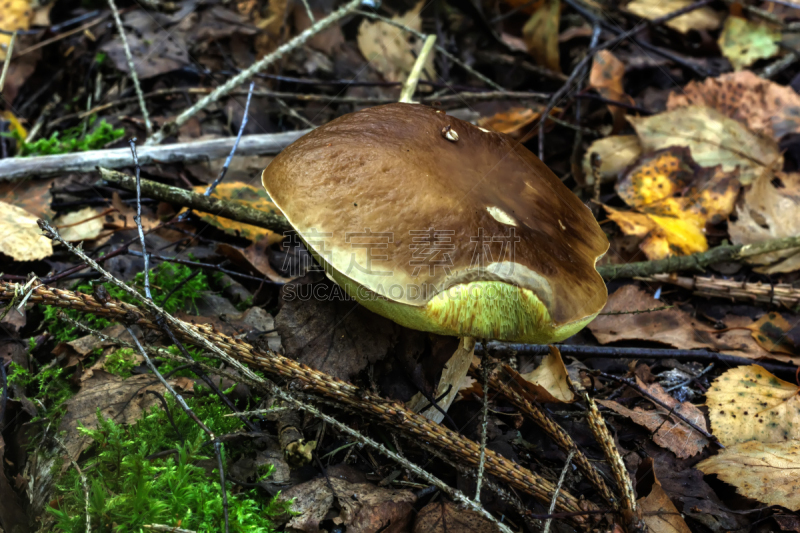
x: 71, y: 140
x: 127, y: 490
x: 120, y: 362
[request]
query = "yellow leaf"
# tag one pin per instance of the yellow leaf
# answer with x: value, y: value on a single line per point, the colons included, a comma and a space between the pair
x: 770, y: 331
x: 744, y: 42
x: 766, y: 472
x: 255, y: 197
x: 22, y: 239
x: 388, y: 49
x: 713, y: 138
x: 749, y: 403
x: 704, y: 18
x: 673, y: 199
x: 541, y: 35
x: 15, y: 124
x: 14, y: 15
x: 82, y: 225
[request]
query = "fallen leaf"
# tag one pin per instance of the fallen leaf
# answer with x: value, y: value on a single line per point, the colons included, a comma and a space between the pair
x: 606, y: 77
x: 763, y: 106
x: 31, y: 195
x: 322, y: 327
x: 15, y: 15
x: 701, y: 19
x: 744, y: 42
x: 514, y: 121
x: 446, y: 517
x: 22, y: 239
x: 360, y: 507
x: 541, y: 34
x: 674, y: 200
x: 670, y: 432
x: 769, y: 209
x: 749, y: 403
x: 123, y: 217
x: 82, y: 225
x: 13, y: 517
x: 254, y: 257
x: 770, y: 332
x: 123, y: 400
x: 763, y: 471
x: 271, y: 26
x: 616, y: 153
x: 152, y: 53
x: 669, y: 326
x: 392, y: 51
x: 255, y: 197
x: 657, y: 510
x: 713, y: 139
x: 15, y: 126
x: 550, y: 378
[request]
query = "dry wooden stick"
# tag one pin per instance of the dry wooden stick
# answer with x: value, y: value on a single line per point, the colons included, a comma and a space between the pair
x: 780, y: 293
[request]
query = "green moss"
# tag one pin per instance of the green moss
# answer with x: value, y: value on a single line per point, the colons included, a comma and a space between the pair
x: 71, y: 140
x: 49, y: 386
x: 128, y: 490
x: 120, y: 362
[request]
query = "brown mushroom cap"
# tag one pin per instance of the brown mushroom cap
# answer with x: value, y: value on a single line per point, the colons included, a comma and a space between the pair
x: 403, y: 195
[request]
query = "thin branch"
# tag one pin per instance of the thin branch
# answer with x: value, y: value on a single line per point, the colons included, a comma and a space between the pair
x: 172, y: 126
x: 138, y: 218
x: 410, y: 85
x: 7, y: 62
x: 484, y: 424
x: 224, y: 169
x: 132, y: 68
x: 560, y: 484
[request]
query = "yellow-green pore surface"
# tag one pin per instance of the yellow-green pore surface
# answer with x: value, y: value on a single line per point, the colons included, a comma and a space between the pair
x: 469, y: 237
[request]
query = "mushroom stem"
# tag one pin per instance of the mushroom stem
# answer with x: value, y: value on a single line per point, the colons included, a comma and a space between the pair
x: 410, y: 86
x: 454, y: 372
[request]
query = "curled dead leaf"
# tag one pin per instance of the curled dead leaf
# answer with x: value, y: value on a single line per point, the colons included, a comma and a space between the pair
x: 656, y: 509
x: 615, y: 154
x: 749, y: 403
x: 764, y: 471
x: 541, y: 34
x: 548, y: 382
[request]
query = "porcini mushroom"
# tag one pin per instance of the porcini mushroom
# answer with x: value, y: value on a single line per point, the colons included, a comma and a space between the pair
x: 442, y: 226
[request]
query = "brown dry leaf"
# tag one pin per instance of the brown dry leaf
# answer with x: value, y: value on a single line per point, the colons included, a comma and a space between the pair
x: 670, y: 326
x: 22, y: 239
x: 82, y: 225
x: 606, y: 77
x: 14, y: 15
x: 238, y: 191
x: 670, y: 432
x: 392, y: 51
x: 271, y: 26
x: 674, y: 200
x: 123, y: 218
x: 770, y: 332
x: 31, y: 195
x: 616, y: 153
x: 763, y: 471
x: 769, y: 209
x: 123, y: 400
x: 762, y: 105
x: 362, y: 507
x: 516, y: 121
x: 541, y: 34
x: 446, y: 517
x: 713, y: 138
x: 744, y: 41
x: 701, y: 19
x: 657, y: 510
x: 550, y: 378
x: 749, y: 403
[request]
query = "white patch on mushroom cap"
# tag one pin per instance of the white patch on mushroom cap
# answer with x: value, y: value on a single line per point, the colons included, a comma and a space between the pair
x: 501, y: 216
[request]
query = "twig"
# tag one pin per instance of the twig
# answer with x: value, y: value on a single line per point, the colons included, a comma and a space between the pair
x: 410, y: 85
x: 560, y: 483
x: 164, y: 406
x: 7, y: 62
x: 661, y: 404
x: 172, y: 126
x: 271, y: 220
x: 441, y: 49
x: 79, y: 29
x: 294, y: 114
x: 614, y: 352
x: 211, y: 266
x: 709, y: 287
x: 224, y: 169
x: 308, y: 11
x: 697, y: 261
x: 639, y: 312
x: 166, y: 529
x: 192, y: 152
x: 484, y: 424
x: 603, y: 437
x: 132, y: 68
x: 138, y: 217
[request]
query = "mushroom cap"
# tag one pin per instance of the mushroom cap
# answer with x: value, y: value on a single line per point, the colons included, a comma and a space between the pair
x: 442, y: 226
